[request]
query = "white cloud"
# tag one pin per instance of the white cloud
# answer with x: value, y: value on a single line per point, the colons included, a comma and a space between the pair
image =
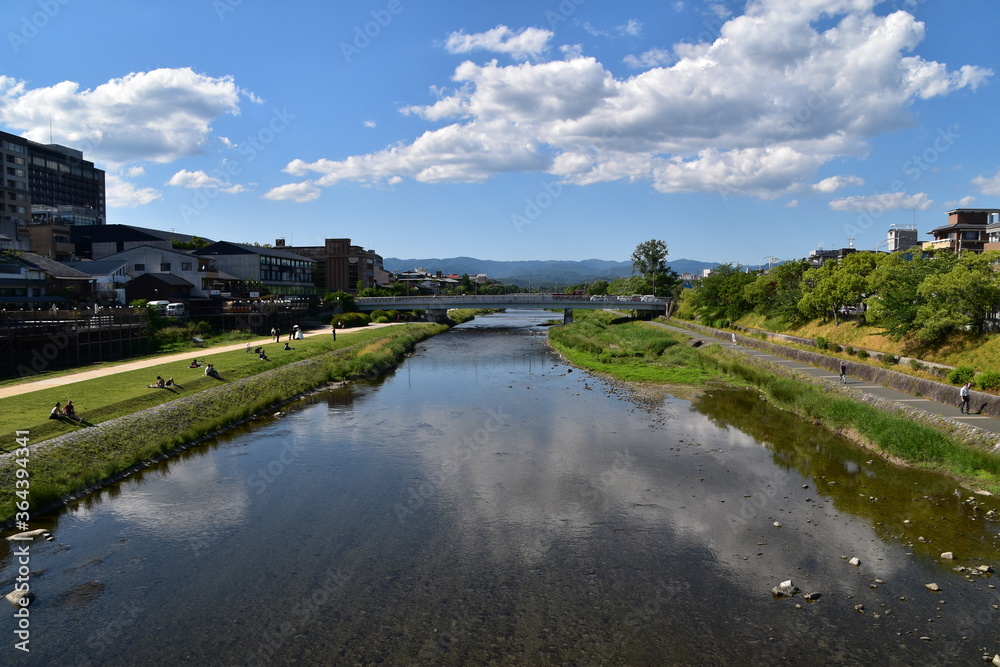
x: 199, y: 179
x: 501, y: 39
x: 834, y: 183
x: 299, y: 192
x: 156, y: 116
x: 988, y: 185
x: 120, y: 193
x: 369, y: 123
x: 571, y: 51
x: 651, y: 58
x: 892, y: 201
x: 964, y: 202
x: 633, y: 27
x: 794, y: 203
x: 756, y: 112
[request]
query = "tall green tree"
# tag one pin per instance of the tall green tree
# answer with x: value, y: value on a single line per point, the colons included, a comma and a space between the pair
x: 893, y: 289
x: 777, y: 292
x: 649, y: 260
x: 959, y: 300
x: 719, y: 299
x: 598, y: 287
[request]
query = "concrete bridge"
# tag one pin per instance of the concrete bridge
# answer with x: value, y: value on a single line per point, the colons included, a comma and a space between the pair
x: 437, y: 306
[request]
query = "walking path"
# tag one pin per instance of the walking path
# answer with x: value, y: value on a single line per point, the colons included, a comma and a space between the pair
x: 950, y: 411
x: 58, y: 381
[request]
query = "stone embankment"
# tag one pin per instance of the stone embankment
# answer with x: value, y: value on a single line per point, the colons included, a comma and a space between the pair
x: 982, y: 403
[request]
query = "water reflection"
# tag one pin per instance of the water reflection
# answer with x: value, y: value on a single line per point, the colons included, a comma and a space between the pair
x: 487, y: 504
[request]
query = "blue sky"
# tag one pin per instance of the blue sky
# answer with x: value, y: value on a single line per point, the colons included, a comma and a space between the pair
x: 570, y: 129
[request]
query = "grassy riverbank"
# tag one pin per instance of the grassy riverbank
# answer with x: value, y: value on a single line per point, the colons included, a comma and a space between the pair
x: 118, y: 394
x: 633, y: 351
x: 908, y: 436
x: 91, y: 455
x: 629, y: 351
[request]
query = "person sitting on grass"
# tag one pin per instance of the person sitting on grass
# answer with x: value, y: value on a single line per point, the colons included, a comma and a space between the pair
x: 169, y: 383
x: 159, y: 384
x: 263, y: 356
x: 57, y: 412
x: 287, y: 346
x: 70, y: 412
x: 211, y: 372
x: 195, y: 364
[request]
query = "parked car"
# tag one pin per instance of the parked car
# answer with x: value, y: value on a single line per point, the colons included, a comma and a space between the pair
x: 649, y: 298
x: 850, y: 310
x: 598, y: 297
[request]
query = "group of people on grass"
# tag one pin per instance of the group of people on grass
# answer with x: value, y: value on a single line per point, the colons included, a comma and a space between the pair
x: 67, y: 412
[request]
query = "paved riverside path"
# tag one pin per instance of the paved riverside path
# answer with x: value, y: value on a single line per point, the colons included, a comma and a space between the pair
x: 200, y: 353
x: 950, y: 411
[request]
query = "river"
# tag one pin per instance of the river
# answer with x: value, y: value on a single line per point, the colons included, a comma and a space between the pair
x: 489, y: 504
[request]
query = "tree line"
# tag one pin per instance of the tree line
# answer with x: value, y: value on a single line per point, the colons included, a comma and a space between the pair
x: 925, y: 296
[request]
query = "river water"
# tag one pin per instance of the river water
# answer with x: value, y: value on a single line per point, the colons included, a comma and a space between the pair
x: 488, y: 504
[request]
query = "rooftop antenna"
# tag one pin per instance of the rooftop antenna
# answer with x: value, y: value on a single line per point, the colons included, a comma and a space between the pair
x: 850, y: 241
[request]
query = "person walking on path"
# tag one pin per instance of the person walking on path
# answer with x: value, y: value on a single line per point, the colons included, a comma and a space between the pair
x: 734, y: 339
x: 963, y: 394
x: 334, y: 330
x: 843, y: 372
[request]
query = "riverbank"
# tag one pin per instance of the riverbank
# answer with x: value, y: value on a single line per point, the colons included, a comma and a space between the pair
x: 898, y: 433
x: 89, y: 457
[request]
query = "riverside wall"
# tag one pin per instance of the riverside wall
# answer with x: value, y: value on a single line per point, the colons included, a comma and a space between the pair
x: 981, y: 402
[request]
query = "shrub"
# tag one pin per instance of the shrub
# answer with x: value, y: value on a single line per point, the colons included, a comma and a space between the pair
x: 350, y: 319
x: 961, y: 375
x: 849, y: 350
x: 822, y: 343
x: 890, y: 359
x: 862, y: 354
x: 917, y: 365
x: 988, y: 380
x: 375, y: 314
x: 381, y: 319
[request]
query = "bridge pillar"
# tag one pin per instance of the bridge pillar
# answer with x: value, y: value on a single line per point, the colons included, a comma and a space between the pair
x: 439, y: 315
x: 567, y: 316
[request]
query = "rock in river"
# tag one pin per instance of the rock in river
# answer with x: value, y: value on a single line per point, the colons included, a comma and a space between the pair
x: 785, y: 589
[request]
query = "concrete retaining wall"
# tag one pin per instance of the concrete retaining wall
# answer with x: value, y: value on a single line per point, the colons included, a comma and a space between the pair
x: 981, y: 402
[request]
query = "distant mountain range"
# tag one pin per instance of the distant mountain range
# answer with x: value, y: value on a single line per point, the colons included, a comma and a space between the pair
x: 538, y: 272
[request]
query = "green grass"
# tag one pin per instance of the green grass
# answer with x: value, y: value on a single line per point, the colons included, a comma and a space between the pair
x: 119, y: 394
x: 902, y: 435
x: 630, y: 351
x: 92, y: 455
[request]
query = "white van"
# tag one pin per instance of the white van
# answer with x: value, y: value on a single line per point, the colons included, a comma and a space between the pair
x: 175, y: 310
x: 161, y: 306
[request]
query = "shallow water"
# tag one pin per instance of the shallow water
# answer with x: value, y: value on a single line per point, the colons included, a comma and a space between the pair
x: 489, y: 504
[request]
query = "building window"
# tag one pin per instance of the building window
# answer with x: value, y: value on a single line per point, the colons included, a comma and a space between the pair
x: 164, y: 266
x: 185, y: 266
x: 140, y: 267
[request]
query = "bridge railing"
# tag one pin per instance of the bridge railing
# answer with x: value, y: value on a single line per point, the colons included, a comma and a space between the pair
x: 493, y: 298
